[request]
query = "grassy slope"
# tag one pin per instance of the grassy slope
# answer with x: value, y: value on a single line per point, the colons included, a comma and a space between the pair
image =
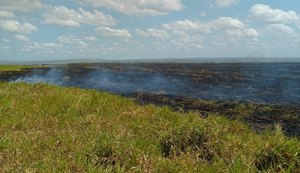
x: 52, y: 129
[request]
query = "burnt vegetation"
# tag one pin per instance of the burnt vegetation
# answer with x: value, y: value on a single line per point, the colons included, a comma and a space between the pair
x: 259, y: 116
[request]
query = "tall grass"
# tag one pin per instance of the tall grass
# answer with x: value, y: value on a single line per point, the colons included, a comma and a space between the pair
x: 54, y: 129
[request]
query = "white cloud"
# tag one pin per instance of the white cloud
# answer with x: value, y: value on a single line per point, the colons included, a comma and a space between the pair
x: 21, y: 38
x: 198, y: 34
x: 267, y: 14
x: 281, y: 29
x: 153, y: 33
x: 109, y: 32
x: 73, y: 41
x: 227, y: 22
x: 69, y: 39
x: 6, y: 14
x: 248, y: 32
x: 19, y: 5
x: 51, y: 45
x: 222, y: 23
x: 188, y: 25
x: 48, y: 47
x: 224, y: 3
x: 62, y: 16
x: 139, y: 7
x: 69, y: 17
x: 15, y: 26
x: 81, y: 44
x: 90, y: 38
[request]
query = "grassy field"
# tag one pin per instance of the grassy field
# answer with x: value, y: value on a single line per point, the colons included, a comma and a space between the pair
x: 13, y: 67
x: 54, y: 129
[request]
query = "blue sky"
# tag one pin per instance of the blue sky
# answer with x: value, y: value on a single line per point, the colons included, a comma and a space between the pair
x: 135, y: 29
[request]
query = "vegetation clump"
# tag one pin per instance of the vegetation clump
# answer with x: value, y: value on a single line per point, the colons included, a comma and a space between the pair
x: 185, y: 141
x: 278, y: 155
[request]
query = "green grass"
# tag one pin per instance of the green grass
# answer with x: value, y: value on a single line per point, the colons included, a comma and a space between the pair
x: 54, y: 129
x: 14, y: 67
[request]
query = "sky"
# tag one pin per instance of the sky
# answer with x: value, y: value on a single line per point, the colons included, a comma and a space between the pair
x: 136, y: 29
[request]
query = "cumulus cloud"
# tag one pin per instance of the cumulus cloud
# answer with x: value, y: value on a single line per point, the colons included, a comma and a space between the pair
x: 73, y: 41
x: 221, y: 23
x: 51, y: 45
x: 188, y: 25
x: 192, y: 33
x: 21, y: 38
x: 6, y: 14
x: 248, y: 32
x: 138, y: 7
x: 270, y: 15
x: 281, y: 29
x: 153, y: 33
x: 109, y: 32
x: 19, y: 5
x: 224, y: 3
x: 227, y: 22
x: 69, y: 17
x: 15, y: 26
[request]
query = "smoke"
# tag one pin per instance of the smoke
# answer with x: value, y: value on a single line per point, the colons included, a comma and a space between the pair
x: 130, y: 82
x: 53, y: 76
x: 118, y: 82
